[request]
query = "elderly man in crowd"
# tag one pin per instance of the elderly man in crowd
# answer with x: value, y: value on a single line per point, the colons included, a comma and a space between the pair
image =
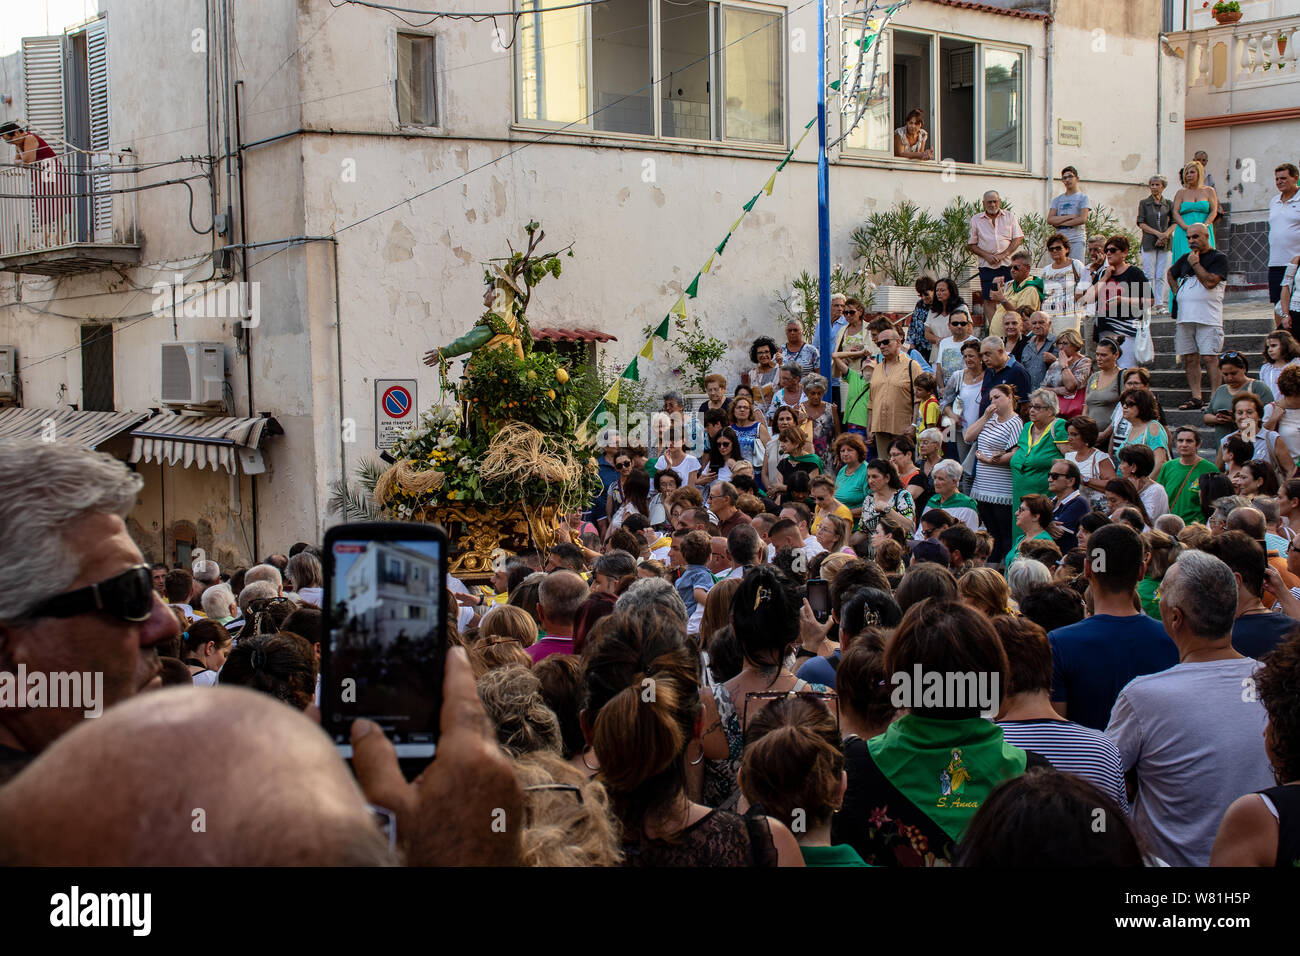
x: 994, y: 236
x: 76, y: 597
x: 1001, y: 369
x: 1022, y: 289
x: 1189, y: 738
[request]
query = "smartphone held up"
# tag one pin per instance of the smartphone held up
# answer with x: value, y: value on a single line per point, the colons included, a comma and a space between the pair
x: 386, y: 639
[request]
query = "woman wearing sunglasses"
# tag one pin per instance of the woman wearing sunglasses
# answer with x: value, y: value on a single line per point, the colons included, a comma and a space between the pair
x: 1063, y: 279
x: 614, y: 493
x: 1123, y: 294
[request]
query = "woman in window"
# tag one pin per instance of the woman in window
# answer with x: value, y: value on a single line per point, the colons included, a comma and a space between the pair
x: 910, y: 138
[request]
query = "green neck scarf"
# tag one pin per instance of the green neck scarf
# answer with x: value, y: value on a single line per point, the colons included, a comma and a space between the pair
x: 946, y: 767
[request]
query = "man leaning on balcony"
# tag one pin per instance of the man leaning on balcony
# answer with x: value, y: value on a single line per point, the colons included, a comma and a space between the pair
x: 994, y: 236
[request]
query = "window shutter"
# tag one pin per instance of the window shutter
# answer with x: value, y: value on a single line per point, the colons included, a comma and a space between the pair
x: 97, y: 76
x: 43, y: 77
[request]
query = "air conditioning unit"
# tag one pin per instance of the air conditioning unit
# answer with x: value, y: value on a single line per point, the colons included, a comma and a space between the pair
x: 193, y: 373
x: 8, y: 372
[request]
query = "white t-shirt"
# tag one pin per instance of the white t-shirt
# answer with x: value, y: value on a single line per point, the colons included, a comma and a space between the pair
x: 1283, y: 230
x: 689, y: 464
x: 1196, y: 740
x: 1060, y: 285
x: 1198, y: 304
x: 1155, y: 499
x: 948, y: 355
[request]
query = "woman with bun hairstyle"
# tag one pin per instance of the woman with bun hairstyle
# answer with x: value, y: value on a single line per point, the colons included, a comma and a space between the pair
x: 643, y: 711
x: 765, y: 620
x: 794, y: 770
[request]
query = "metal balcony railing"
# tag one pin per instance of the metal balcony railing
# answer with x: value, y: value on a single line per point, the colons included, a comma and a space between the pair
x: 74, y: 198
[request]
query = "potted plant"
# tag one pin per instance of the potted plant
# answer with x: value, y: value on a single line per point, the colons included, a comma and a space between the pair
x: 802, y: 301
x: 899, y: 244
x: 952, y: 258
x: 1225, y: 11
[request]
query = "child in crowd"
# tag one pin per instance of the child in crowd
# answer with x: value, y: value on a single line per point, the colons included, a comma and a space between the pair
x: 695, y: 581
x: 927, y: 404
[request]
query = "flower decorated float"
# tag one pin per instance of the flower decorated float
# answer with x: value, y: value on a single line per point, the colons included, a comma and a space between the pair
x: 501, y: 460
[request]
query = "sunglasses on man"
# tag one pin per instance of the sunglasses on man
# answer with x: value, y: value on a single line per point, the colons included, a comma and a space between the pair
x: 128, y: 596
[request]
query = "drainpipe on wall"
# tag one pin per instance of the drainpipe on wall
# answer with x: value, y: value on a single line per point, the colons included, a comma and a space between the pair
x: 1051, y: 50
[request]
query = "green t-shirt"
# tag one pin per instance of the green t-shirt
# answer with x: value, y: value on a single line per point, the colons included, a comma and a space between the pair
x: 842, y: 855
x: 1149, y: 594
x: 1181, y: 487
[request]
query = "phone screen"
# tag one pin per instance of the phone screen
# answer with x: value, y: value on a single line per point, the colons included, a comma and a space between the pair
x: 819, y: 598
x: 386, y: 641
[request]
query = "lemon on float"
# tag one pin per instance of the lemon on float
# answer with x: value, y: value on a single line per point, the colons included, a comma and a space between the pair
x: 561, y: 376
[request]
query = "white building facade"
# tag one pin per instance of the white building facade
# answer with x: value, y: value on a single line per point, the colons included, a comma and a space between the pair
x: 372, y: 168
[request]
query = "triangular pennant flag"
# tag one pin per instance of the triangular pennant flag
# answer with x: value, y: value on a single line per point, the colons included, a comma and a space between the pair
x: 648, y: 350
x: 708, y: 265
x: 723, y: 244
x: 835, y: 85
x: 735, y: 225
x: 596, y: 413
x: 810, y: 123
x: 750, y: 205
x: 767, y: 186
x: 611, y: 397
x: 662, y: 331
x: 678, y: 309
x: 788, y: 157
x: 693, y: 289
x: 631, y: 373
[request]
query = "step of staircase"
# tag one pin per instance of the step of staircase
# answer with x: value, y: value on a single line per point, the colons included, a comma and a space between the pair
x: 1242, y: 333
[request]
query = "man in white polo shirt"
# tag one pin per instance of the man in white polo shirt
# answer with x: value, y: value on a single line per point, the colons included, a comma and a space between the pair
x: 1284, y: 237
x: 1197, y: 279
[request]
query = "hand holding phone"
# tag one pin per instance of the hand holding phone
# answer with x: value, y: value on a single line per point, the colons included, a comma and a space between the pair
x: 386, y: 635
x: 440, y: 817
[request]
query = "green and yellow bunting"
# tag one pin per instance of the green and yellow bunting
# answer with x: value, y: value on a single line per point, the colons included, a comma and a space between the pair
x: 678, y: 310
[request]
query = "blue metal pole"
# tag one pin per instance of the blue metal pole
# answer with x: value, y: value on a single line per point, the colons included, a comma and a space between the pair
x: 823, y: 204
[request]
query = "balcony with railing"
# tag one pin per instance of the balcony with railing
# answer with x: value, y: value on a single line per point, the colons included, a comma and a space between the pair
x: 1248, y: 66
x: 70, y: 213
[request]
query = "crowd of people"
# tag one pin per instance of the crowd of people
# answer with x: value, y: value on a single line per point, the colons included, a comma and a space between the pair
x: 713, y: 664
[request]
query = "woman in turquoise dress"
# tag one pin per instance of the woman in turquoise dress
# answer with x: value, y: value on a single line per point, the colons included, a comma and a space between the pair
x: 1195, y: 202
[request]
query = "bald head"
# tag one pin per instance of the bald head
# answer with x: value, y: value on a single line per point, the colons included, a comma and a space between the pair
x: 1249, y: 520
x: 190, y: 777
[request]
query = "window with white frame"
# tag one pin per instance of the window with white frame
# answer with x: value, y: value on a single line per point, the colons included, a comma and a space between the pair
x: 719, y: 66
x: 971, y: 93
x: 416, y: 80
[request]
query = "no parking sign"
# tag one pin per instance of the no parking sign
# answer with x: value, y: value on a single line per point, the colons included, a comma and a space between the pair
x: 395, y: 409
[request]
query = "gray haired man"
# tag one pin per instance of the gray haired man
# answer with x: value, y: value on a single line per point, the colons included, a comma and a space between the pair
x: 77, y: 603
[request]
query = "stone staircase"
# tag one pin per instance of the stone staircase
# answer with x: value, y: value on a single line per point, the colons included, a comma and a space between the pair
x: 1246, y: 322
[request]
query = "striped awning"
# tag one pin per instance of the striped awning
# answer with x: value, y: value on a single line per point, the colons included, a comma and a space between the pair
x: 187, y: 440
x: 89, y: 429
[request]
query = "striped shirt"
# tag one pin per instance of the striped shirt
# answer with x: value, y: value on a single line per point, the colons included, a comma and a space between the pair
x: 993, y: 482
x: 1072, y: 748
